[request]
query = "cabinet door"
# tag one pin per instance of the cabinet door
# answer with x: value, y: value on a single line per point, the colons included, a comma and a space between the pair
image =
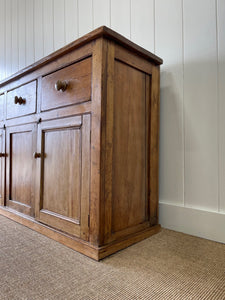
x: 2, y: 166
x: 62, y: 194
x: 20, y: 168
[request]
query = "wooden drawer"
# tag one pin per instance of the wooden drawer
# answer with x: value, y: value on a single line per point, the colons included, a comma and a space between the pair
x: 77, y: 78
x: 21, y: 101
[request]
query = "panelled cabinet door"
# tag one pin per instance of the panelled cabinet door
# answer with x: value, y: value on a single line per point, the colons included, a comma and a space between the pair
x: 20, y: 167
x: 2, y: 166
x: 62, y: 194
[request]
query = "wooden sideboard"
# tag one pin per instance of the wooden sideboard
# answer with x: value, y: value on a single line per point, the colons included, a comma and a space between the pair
x: 79, y: 134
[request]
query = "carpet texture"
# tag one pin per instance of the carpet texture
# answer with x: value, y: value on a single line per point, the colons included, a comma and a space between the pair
x: 168, y: 265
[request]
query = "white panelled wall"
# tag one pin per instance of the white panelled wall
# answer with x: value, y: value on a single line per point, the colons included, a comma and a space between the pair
x: 190, y: 37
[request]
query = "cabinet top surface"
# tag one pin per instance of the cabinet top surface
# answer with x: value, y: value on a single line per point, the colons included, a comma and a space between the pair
x: 102, y: 31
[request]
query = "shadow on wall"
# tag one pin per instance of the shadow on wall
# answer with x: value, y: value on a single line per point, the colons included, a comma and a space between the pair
x: 171, y: 143
x: 188, y: 152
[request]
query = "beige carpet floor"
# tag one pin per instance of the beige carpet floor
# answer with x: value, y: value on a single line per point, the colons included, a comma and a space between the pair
x: 169, y: 265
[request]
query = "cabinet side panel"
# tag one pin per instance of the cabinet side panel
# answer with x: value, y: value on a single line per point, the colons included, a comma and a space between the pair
x: 154, y: 147
x: 129, y: 150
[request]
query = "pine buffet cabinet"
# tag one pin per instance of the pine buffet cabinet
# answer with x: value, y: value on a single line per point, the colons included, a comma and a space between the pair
x: 79, y: 144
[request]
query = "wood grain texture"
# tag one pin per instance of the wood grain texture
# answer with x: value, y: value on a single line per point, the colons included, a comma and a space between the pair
x: 136, y: 62
x: 62, y: 171
x: 130, y: 240
x: 98, y: 64
x: 99, y: 32
x: 107, y: 142
x: 94, y: 161
x: 128, y: 160
x: 85, y: 178
x: 62, y: 203
x: 28, y: 93
x: 76, y: 244
x: 170, y: 34
x: 154, y: 146
x: 65, y: 239
x: 20, y: 168
x: 78, y: 78
x: 127, y: 144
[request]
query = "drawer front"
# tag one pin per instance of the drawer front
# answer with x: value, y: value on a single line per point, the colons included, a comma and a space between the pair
x: 76, y: 80
x: 21, y: 101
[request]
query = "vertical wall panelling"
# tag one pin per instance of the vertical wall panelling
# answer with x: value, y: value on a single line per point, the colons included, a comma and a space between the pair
x: 200, y: 105
x: 221, y: 90
x: 48, y: 26
x: 8, y: 37
x: 38, y: 30
x: 71, y: 20
x: 15, y: 52
x: 142, y: 23
x: 120, y: 17
x: 22, y: 33
x: 2, y: 38
x: 101, y: 13
x: 168, y: 33
x: 59, y: 23
x: 29, y: 13
x: 85, y: 16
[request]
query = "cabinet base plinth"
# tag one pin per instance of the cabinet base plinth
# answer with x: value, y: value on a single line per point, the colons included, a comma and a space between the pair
x: 77, y: 244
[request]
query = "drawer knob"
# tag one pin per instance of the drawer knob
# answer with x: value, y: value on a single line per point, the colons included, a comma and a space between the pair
x: 3, y: 155
x: 19, y: 100
x: 61, y: 85
x: 36, y: 155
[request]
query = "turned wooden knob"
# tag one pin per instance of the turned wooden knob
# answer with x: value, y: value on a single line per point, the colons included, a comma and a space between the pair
x: 61, y: 85
x: 2, y: 154
x: 19, y: 100
x: 36, y: 155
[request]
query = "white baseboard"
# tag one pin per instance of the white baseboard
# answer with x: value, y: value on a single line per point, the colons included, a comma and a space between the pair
x: 201, y: 223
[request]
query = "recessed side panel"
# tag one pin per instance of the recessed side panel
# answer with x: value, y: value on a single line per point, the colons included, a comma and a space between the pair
x: 129, y: 197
